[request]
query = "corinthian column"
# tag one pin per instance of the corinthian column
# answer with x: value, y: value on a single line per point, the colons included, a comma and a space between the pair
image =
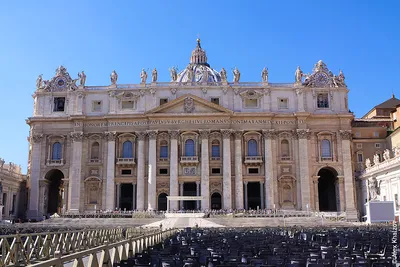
x: 269, y: 169
x: 238, y: 170
x: 205, y: 170
x: 75, y: 178
x: 304, y: 136
x: 36, y: 152
x: 227, y: 179
x: 140, y: 171
x: 351, y: 212
x: 173, y: 169
x: 110, y: 173
x: 152, y: 180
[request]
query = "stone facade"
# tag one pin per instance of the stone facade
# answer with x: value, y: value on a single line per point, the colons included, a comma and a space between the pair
x: 12, y: 191
x: 239, y: 145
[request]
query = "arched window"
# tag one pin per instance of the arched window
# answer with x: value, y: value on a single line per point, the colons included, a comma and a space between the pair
x: 215, y: 149
x: 189, y: 148
x: 163, y: 149
x: 252, y: 149
x: 95, y: 151
x: 127, y: 149
x: 285, y: 153
x: 57, y: 151
x: 326, y: 149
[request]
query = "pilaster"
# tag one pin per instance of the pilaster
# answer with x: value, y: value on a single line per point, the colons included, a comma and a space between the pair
x: 341, y: 193
x: 227, y: 179
x: 269, y: 135
x: 205, y: 169
x: 110, y: 172
x: 173, y: 169
x: 238, y: 170
x: 140, y: 171
x: 33, y: 208
x: 152, y: 181
x: 304, y: 136
x: 75, y: 172
x: 246, y: 198
x: 316, y: 192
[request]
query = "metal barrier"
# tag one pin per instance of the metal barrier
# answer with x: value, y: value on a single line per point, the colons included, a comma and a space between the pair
x: 23, y: 249
x: 108, y: 254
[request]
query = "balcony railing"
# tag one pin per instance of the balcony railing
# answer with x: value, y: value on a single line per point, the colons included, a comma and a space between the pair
x: 55, y: 162
x: 215, y: 158
x: 163, y: 159
x: 285, y: 158
x: 253, y: 159
x: 94, y: 160
x: 125, y: 161
x: 382, y: 166
x: 189, y: 159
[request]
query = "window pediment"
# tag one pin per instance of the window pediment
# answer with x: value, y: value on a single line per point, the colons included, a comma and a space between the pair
x: 251, y: 94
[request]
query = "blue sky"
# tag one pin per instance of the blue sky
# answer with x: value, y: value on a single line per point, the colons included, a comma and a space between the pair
x: 360, y: 37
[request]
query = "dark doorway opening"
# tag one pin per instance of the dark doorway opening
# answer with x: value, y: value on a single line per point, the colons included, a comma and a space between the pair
x: 216, y: 203
x: 126, y: 198
x: 253, y: 195
x: 162, y: 201
x: 189, y: 189
x: 327, y: 190
x: 55, y: 189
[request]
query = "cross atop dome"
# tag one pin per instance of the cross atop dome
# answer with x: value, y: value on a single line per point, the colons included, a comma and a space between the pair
x: 199, y: 56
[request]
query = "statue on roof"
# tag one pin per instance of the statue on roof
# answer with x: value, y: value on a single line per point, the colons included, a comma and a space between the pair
x: 204, y: 78
x: 82, y: 78
x: 298, y: 75
x: 236, y: 75
x: 386, y: 154
x: 339, y: 80
x: 173, y: 73
x: 376, y: 159
x: 190, y: 73
x: 39, y: 81
x: 368, y: 163
x: 222, y: 73
x: 143, y: 76
x: 114, y: 77
x: 61, y: 70
x: 154, y: 75
x: 2, y: 161
x: 264, y: 75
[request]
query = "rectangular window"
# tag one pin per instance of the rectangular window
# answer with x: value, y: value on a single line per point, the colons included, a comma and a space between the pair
x: 163, y: 101
x: 360, y: 157
x: 59, y: 104
x: 215, y: 100
x: 126, y: 172
x: 128, y: 104
x: 163, y: 171
x: 359, y: 146
x: 163, y: 151
x: 251, y: 103
x: 377, y: 145
x: 96, y: 106
x: 323, y: 100
x: 253, y: 170
x: 283, y: 103
x: 376, y: 134
x: 215, y: 170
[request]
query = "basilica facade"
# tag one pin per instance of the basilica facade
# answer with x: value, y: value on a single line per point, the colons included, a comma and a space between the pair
x: 238, y: 145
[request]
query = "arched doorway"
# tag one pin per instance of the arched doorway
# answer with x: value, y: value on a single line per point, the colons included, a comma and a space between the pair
x: 327, y: 190
x: 55, y: 191
x: 162, y: 201
x: 216, y: 201
x: 253, y: 195
x: 126, y: 197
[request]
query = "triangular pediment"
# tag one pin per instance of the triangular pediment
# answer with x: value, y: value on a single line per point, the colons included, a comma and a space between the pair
x: 189, y: 104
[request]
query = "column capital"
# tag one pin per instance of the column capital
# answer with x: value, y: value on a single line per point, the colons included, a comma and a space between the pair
x: 245, y: 182
x: 110, y: 136
x: 152, y: 134
x: 173, y: 134
x: 226, y: 133
x: 238, y: 134
x: 197, y: 182
x: 141, y: 135
x: 76, y: 136
x: 204, y: 134
x: 36, y: 138
x: 316, y: 178
x: 345, y: 134
x: 340, y: 179
x: 269, y: 134
x: 303, y: 133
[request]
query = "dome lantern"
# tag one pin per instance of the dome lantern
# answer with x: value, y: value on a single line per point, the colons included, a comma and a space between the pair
x: 199, y: 56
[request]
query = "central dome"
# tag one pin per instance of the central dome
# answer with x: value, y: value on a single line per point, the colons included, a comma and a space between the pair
x: 198, y: 69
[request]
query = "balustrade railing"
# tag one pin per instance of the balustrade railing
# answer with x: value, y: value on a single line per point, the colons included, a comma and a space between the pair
x: 189, y: 159
x: 389, y: 163
x: 125, y: 160
x: 108, y: 253
x: 24, y: 249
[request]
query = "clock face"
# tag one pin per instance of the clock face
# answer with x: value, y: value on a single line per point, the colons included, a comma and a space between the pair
x: 61, y: 82
x: 321, y: 79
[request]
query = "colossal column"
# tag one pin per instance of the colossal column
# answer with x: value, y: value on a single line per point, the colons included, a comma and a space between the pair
x: 351, y: 212
x: 152, y: 180
x: 269, y: 169
x: 140, y: 171
x: 173, y: 169
x: 205, y: 170
x: 36, y: 152
x: 238, y: 170
x: 110, y: 173
x: 304, y: 136
x: 227, y: 179
x: 75, y: 178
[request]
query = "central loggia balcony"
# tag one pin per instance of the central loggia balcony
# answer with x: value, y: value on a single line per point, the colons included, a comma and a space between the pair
x: 253, y: 160
x: 55, y: 162
x: 189, y: 160
x: 125, y: 161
